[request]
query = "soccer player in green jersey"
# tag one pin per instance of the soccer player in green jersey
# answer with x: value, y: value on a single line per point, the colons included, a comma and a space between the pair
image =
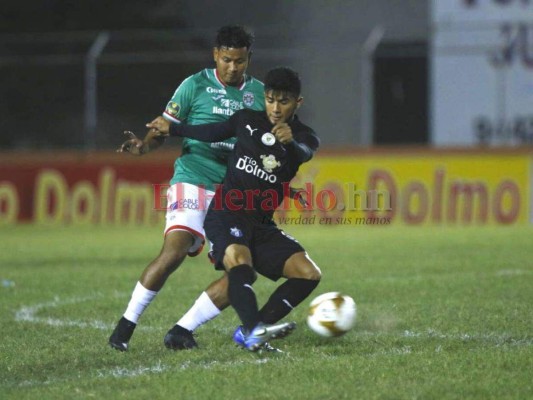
x: 211, y: 95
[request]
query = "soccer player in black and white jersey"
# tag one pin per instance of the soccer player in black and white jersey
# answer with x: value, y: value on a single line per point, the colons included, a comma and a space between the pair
x: 270, y: 147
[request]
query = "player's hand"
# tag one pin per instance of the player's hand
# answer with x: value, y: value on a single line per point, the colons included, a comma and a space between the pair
x: 160, y: 125
x: 283, y: 132
x: 133, y: 145
x: 299, y: 194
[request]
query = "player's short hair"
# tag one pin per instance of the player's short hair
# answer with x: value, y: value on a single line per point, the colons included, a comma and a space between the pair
x: 283, y: 80
x: 234, y: 36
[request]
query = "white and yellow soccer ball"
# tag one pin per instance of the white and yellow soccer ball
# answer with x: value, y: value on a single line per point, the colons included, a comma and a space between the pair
x: 332, y: 314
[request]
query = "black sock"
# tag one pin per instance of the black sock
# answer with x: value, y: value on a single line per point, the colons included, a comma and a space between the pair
x: 285, y: 298
x: 242, y: 296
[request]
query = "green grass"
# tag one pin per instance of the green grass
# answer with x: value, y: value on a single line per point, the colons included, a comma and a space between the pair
x: 443, y: 313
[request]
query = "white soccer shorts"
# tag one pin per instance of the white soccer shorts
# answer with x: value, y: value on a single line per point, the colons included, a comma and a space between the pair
x: 186, y: 209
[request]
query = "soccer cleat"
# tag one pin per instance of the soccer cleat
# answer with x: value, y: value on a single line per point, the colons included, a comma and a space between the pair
x: 238, y: 335
x: 121, y: 335
x: 256, y: 339
x: 238, y: 338
x: 270, y: 349
x: 179, y: 338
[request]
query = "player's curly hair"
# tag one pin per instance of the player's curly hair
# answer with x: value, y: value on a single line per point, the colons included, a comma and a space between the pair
x: 283, y: 80
x: 234, y: 36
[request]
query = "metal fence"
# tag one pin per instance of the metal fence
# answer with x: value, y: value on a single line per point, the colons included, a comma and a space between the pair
x: 81, y: 90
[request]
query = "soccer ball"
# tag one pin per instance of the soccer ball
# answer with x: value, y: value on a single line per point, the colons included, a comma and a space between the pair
x: 332, y: 314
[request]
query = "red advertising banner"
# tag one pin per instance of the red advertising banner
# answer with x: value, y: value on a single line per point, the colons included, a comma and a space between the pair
x: 414, y: 187
x: 82, y: 188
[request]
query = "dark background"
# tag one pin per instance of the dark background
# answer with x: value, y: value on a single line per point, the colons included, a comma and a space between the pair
x: 154, y: 45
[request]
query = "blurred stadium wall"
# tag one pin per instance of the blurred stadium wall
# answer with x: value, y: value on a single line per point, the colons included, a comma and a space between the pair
x: 148, y: 48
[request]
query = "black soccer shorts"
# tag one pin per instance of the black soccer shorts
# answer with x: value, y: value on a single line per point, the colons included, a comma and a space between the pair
x: 269, y: 245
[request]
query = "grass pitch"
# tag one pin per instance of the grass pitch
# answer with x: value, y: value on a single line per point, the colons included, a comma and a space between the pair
x: 443, y: 313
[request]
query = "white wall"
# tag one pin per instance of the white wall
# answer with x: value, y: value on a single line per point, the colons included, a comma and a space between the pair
x: 482, y: 72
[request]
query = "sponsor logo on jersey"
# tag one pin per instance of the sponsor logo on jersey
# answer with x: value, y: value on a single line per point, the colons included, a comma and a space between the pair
x: 249, y: 165
x: 173, y: 109
x: 231, y: 104
x: 250, y: 129
x: 227, y: 106
x: 222, y: 111
x: 188, y: 204
x: 270, y: 162
x: 235, y: 232
x: 211, y: 90
x: 223, y: 145
x: 217, y: 97
x: 248, y: 98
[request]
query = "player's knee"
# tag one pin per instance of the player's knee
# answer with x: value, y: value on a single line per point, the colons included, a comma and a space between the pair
x: 237, y: 255
x: 302, y: 267
x: 312, y: 273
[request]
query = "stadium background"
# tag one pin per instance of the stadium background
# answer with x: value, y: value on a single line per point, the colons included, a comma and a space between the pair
x: 390, y: 87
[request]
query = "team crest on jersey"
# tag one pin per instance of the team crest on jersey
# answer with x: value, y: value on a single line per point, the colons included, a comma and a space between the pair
x: 270, y: 162
x: 235, y: 232
x: 268, y: 139
x: 248, y: 98
x: 173, y: 109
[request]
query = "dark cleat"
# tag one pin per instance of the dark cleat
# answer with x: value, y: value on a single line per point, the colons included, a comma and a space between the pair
x: 121, y: 336
x: 179, y: 338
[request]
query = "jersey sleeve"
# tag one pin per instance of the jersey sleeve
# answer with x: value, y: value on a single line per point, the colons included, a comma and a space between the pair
x: 179, y: 106
x: 305, y: 146
x: 215, y: 132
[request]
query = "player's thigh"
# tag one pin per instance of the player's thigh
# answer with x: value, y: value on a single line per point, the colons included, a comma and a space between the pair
x: 300, y: 265
x: 271, y: 249
x: 177, y: 243
x: 230, y: 235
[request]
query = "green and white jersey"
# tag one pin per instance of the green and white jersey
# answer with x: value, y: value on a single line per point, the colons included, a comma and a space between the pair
x: 203, y: 98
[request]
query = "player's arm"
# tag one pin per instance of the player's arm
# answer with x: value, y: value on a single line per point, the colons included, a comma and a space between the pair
x: 214, y: 132
x: 302, y: 151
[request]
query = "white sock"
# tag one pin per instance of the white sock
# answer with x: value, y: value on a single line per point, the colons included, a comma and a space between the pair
x: 140, y: 299
x: 202, y: 311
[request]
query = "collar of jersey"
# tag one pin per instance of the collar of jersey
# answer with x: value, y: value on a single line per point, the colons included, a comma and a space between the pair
x: 241, y: 87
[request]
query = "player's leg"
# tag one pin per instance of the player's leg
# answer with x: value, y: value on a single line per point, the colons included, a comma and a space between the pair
x: 206, y: 307
x: 303, y: 276
x: 154, y: 276
x: 231, y: 235
x: 277, y: 254
x: 241, y: 276
x: 210, y: 302
x: 183, y: 235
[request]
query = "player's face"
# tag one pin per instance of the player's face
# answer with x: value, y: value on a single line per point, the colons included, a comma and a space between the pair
x: 231, y: 64
x: 280, y: 107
